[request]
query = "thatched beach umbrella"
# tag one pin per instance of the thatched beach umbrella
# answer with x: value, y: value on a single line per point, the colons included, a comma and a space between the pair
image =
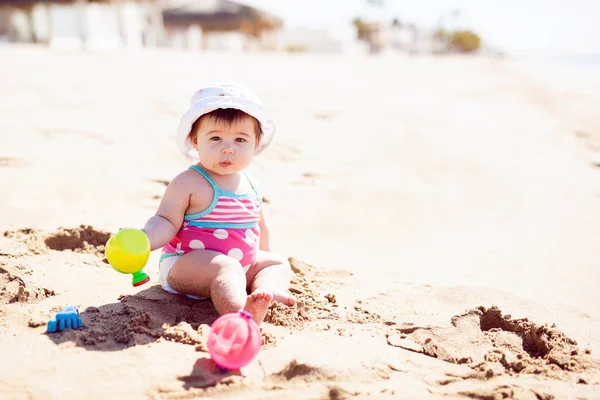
x: 220, y: 16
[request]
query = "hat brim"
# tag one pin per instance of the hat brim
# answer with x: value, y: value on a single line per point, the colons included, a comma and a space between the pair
x: 209, y: 104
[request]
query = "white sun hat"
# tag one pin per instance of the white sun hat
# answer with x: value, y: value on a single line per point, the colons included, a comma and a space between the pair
x: 225, y: 95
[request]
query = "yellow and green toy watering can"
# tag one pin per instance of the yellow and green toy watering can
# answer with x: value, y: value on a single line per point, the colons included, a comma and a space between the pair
x: 127, y: 252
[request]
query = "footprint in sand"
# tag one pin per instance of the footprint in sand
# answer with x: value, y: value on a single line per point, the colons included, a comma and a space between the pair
x: 581, y: 134
x: 51, y: 133
x: 307, y: 179
x: 285, y: 152
x: 11, y: 162
x: 162, y: 182
x: 15, y: 289
x: 325, y: 115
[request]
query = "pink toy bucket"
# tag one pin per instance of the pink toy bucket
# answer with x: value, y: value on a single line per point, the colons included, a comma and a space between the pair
x: 234, y: 340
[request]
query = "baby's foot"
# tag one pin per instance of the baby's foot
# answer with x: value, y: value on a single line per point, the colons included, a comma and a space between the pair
x: 284, y: 297
x: 258, y: 303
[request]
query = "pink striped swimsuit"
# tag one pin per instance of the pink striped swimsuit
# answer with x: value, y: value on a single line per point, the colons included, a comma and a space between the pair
x: 229, y: 225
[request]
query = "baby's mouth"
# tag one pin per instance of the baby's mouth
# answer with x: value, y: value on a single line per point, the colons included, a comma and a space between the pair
x: 225, y: 163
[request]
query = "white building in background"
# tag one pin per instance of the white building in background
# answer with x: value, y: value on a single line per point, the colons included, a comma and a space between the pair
x: 97, y: 25
x: 93, y: 26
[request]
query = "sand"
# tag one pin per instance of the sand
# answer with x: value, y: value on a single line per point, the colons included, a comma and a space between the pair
x: 441, y: 216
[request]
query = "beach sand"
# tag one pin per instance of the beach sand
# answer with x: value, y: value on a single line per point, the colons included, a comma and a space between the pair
x: 441, y: 215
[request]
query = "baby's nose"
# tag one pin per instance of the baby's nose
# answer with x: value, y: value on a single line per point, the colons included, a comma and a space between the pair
x: 227, y: 150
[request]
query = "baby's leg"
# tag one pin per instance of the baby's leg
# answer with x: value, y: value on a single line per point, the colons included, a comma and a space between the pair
x: 271, y: 274
x: 212, y: 274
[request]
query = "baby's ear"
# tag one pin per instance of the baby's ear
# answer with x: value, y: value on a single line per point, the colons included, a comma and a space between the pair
x: 257, y: 141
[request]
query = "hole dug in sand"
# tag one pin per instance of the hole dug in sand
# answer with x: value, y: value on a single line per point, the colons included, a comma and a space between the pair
x: 496, y: 344
x: 335, y: 379
x: 539, y: 342
x: 301, y: 370
x: 83, y: 239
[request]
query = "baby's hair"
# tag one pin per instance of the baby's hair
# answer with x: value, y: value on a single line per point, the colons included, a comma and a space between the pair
x: 226, y: 116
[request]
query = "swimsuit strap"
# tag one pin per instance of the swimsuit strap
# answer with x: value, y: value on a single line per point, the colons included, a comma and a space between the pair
x: 252, y: 185
x: 218, y: 193
x: 216, y: 188
x: 208, y: 178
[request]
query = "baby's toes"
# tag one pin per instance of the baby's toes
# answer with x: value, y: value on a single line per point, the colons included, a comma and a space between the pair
x: 261, y: 295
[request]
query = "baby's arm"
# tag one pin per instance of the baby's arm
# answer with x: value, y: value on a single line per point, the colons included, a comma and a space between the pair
x: 164, y: 225
x: 264, y: 243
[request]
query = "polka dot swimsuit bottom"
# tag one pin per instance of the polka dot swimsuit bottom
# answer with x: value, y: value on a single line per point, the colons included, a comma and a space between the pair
x: 229, y: 226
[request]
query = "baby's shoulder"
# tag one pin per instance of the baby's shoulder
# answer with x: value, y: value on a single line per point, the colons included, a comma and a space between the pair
x: 191, y: 181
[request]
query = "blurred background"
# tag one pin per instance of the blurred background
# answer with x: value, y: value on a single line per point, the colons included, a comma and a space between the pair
x: 534, y: 28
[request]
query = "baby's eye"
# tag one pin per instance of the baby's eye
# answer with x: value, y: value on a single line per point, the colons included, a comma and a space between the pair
x: 240, y: 140
x: 215, y: 138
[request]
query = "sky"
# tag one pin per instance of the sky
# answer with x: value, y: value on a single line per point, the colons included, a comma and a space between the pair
x: 533, y: 27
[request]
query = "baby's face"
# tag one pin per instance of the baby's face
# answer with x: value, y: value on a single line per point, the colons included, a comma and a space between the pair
x: 226, y: 148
